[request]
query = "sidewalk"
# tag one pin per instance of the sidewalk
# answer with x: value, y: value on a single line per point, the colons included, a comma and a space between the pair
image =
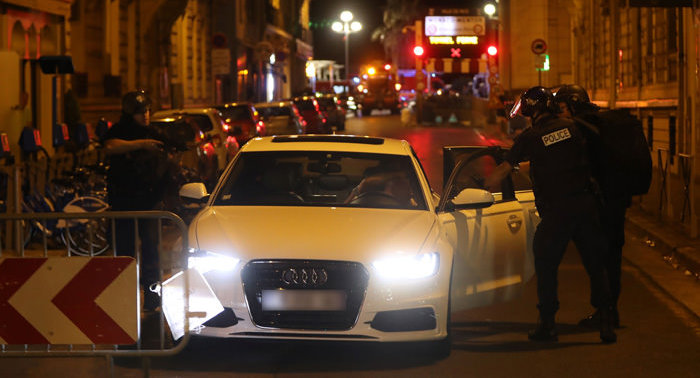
x: 667, y: 237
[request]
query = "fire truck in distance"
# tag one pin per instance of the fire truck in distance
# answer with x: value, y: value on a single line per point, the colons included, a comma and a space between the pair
x: 378, y: 88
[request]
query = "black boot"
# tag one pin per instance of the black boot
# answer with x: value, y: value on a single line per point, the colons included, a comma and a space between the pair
x: 607, y: 334
x: 546, y: 329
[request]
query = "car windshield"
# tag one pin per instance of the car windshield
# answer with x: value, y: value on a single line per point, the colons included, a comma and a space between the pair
x: 304, y: 105
x: 326, y: 102
x: 275, y: 111
x: 320, y: 178
x: 196, y: 121
x: 236, y: 113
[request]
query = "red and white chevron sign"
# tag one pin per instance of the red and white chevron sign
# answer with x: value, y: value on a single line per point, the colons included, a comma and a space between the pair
x: 68, y: 300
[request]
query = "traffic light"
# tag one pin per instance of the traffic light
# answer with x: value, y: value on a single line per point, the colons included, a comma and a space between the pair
x: 418, y: 51
x: 387, y: 67
x: 492, y: 50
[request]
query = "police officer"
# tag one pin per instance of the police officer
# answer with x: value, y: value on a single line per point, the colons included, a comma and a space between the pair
x: 133, y: 184
x: 561, y: 183
x: 575, y: 104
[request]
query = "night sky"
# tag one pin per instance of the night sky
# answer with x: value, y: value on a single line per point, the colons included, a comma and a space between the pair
x: 330, y: 45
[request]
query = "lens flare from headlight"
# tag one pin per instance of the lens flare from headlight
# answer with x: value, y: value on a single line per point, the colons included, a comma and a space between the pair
x: 420, y: 266
x: 206, y: 261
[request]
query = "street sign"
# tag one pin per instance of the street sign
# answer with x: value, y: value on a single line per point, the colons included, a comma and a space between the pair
x: 68, y: 300
x: 538, y: 46
x: 219, y: 40
x: 542, y: 62
x: 454, y: 25
x: 220, y: 61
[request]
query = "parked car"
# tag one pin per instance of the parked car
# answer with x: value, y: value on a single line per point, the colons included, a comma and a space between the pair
x: 212, y: 145
x: 281, y: 118
x: 337, y: 237
x: 243, y: 120
x: 330, y: 107
x: 310, y: 111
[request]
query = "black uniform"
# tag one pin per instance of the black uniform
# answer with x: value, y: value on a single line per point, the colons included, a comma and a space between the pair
x: 135, y: 182
x: 613, y: 205
x: 567, y: 207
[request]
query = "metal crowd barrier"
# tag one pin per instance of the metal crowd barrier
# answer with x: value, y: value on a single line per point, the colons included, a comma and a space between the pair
x: 169, y: 226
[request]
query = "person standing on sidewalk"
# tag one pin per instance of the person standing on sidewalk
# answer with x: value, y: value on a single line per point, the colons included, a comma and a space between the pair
x: 575, y: 104
x: 566, y: 204
x: 133, y: 184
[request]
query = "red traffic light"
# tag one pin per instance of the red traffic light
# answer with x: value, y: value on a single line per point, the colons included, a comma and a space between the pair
x: 418, y: 51
x: 387, y: 67
x: 492, y: 50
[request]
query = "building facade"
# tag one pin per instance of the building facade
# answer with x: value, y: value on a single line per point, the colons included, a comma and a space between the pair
x: 644, y: 58
x: 28, y: 31
x: 185, y: 53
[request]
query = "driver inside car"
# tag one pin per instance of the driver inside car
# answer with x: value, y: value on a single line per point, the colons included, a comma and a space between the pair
x: 387, y: 189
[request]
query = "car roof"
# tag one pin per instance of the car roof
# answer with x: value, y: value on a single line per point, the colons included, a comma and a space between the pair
x: 188, y: 111
x: 304, y: 98
x: 319, y: 142
x: 274, y: 104
x: 234, y: 104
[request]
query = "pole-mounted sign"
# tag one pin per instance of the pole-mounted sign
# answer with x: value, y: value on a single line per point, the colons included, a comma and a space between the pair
x: 538, y: 46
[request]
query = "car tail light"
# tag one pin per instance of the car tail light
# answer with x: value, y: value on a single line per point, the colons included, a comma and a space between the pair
x: 316, y: 106
x: 208, y: 149
x: 324, y: 120
x: 227, y: 127
x: 260, y: 128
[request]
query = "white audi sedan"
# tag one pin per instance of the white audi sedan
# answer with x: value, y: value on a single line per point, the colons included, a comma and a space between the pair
x: 330, y: 237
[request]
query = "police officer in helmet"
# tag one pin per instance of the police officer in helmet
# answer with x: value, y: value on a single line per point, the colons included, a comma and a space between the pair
x: 565, y: 202
x: 134, y: 182
x: 574, y: 102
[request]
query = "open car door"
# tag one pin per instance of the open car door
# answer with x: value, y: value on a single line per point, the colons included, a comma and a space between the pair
x: 492, y: 241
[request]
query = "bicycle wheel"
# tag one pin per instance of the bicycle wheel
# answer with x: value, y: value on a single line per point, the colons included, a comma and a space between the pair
x: 85, y: 236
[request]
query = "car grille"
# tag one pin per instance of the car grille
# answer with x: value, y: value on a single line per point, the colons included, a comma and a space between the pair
x: 262, y: 275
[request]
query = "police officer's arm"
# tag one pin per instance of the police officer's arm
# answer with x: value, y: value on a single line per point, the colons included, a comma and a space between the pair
x: 118, y: 146
x: 498, y: 174
x: 518, y: 153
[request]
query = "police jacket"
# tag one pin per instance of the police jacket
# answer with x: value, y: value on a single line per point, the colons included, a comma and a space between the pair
x: 558, y: 159
x: 135, y: 180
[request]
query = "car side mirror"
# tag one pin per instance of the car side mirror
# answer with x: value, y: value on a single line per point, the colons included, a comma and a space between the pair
x: 194, y: 191
x: 471, y: 198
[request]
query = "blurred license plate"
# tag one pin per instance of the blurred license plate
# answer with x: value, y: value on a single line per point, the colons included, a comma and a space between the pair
x: 303, y: 300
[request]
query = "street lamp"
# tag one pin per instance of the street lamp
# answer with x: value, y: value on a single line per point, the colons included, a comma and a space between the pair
x: 346, y: 27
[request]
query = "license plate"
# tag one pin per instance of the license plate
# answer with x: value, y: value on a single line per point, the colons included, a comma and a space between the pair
x: 304, y: 300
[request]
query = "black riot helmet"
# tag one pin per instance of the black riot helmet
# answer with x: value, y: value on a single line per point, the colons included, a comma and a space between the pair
x: 135, y: 103
x: 534, y: 101
x: 575, y: 97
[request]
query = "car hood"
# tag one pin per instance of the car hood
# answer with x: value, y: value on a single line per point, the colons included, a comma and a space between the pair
x: 347, y: 234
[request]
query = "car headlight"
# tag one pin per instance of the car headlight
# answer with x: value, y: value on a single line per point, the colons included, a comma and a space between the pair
x: 206, y: 261
x: 419, y: 266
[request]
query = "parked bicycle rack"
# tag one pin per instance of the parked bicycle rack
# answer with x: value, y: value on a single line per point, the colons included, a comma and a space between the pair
x: 101, y: 294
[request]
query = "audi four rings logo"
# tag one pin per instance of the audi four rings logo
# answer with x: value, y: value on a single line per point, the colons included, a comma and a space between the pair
x: 305, y: 276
